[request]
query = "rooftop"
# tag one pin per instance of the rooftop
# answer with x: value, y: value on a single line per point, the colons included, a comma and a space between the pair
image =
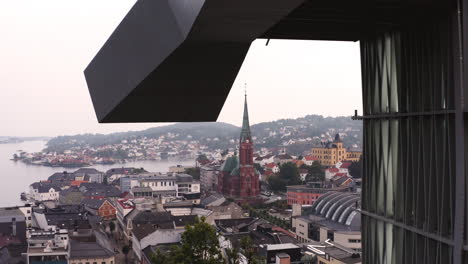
x: 80, y: 250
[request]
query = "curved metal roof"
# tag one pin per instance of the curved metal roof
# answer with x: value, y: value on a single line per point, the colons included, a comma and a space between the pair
x: 339, y: 207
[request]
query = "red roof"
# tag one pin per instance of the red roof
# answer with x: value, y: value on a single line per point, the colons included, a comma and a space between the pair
x: 270, y: 165
x: 341, y: 174
x: 284, y: 231
x: 333, y: 169
x: 77, y: 183
x: 309, y: 158
x: 345, y: 165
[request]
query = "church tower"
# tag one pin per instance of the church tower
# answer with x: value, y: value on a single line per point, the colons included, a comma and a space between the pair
x: 249, y: 182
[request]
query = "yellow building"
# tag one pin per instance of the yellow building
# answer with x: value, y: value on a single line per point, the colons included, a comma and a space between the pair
x: 334, y: 152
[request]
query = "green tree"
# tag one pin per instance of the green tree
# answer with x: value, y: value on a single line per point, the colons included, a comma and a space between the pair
x: 194, y: 172
x: 276, y: 183
x: 232, y: 255
x: 247, y: 248
x: 125, y: 251
x: 160, y: 258
x: 315, y: 172
x: 199, y: 245
x: 288, y: 175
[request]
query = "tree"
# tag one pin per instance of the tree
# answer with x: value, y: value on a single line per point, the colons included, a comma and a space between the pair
x: 315, y: 172
x: 194, y: 172
x: 290, y: 173
x: 232, y: 255
x: 199, y: 245
x: 160, y: 258
x: 276, y: 183
x: 112, y: 227
x: 247, y: 248
x: 125, y: 251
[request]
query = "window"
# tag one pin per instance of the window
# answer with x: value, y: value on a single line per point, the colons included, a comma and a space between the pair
x: 354, y: 240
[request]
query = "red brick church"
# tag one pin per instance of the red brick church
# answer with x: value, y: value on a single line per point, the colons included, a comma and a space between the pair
x: 238, y: 177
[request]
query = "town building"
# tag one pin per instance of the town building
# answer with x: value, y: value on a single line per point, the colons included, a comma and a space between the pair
x: 238, y: 176
x: 46, y: 247
x: 64, y: 217
x: 153, y: 228
x: 90, y: 252
x: 283, y: 158
x: 12, y: 224
x: 333, y: 217
x: 100, y: 207
x: 333, y: 152
x: 336, y: 254
x: 309, y: 193
x: 179, y: 168
x: 89, y: 174
x: 162, y: 186
x: 69, y: 196
x: 44, y: 191
x: 209, y: 177
x: 280, y: 253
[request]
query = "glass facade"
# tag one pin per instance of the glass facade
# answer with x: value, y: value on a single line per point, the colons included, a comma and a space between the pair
x: 409, y: 182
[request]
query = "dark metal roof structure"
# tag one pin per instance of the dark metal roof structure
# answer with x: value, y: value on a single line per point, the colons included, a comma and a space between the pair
x: 185, y: 54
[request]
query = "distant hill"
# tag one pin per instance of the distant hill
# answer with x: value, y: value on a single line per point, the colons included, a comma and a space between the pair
x: 222, y: 135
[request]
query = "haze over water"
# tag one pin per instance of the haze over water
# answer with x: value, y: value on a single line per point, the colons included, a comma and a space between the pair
x: 16, y: 176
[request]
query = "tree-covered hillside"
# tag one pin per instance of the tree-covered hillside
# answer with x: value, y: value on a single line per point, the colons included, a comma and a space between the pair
x: 296, y: 135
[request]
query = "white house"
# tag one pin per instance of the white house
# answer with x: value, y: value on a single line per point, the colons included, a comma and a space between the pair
x: 309, y: 160
x: 44, y: 191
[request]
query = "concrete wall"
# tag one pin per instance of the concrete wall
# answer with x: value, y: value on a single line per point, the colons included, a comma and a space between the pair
x: 343, y: 238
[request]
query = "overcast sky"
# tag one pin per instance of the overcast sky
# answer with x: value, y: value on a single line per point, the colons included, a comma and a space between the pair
x: 45, y: 46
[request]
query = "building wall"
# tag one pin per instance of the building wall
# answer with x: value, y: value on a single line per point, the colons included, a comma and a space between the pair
x: 107, y: 211
x: 301, y: 228
x: 302, y: 198
x: 350, y: 240
x: 413, y: 166
x: 331, y: 260
x: 329, y: 156
x: 110, y: 260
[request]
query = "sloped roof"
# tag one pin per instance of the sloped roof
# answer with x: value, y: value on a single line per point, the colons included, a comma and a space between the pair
x: 82, y: 250
x: 230, y: 164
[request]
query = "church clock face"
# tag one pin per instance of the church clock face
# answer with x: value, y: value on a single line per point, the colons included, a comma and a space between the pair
x: 248, y: 141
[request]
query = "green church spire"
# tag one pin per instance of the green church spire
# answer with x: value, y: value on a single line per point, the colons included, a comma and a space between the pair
x: 245, y: 133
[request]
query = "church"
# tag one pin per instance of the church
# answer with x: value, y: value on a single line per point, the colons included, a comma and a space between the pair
x: 238, y: 177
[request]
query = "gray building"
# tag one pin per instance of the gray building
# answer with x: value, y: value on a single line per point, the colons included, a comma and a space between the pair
x: 13, y: 223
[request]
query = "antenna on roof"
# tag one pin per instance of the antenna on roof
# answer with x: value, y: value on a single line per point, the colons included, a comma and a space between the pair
x: 245, y: 89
